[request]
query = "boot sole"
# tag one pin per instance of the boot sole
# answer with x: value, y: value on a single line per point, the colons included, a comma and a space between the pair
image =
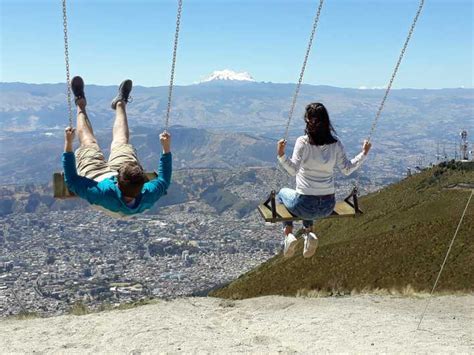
x: 117, y: 98
x: 77, y: 87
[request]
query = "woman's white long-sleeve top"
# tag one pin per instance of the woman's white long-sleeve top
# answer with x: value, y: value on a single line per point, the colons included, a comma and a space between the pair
x: 314, y: 165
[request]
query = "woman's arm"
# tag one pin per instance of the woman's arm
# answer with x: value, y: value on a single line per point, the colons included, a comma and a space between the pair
x: 292, y: 165
x: 347, y: 166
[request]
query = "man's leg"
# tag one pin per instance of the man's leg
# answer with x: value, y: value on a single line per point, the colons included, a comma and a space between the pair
x: 121, y: 132
x: 90, y: 161
x: 84, y: 127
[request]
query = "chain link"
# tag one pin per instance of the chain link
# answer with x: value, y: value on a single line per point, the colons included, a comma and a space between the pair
x: 395, y: 70
x: 173, y: 64
x: 66, y: 58
x: 389, y: 86
x: 300, y: 79
x: 303, y: 68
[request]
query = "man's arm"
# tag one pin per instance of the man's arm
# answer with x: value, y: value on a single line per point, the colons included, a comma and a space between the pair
x: 158, y: 187
x: 80, y: 185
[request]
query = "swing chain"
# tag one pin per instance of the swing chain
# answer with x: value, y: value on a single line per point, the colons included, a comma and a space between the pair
x: 300, y: 80
x: 389, y: 86
x: 303, y: 68
x: 66, y: 58
x: 173, y: 64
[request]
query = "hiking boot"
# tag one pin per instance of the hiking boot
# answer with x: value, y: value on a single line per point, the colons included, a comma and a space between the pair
x: 290, y: 244
x: 123, y: 93
x: 77, y: 87
x: 310, y: 244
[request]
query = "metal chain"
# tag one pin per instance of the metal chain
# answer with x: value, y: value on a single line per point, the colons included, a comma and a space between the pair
x: 303, y: 68
x: 389, y: 86
x: 300, y: 79
x: 66, y: 58
x: 402, y: 53
x: 175, y: 49
x: 444, y: 262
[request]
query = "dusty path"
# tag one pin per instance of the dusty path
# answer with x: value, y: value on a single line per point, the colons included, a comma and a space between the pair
x: 269, y: 324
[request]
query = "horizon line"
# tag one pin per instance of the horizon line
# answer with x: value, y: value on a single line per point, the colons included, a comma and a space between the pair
x: 362, y: 87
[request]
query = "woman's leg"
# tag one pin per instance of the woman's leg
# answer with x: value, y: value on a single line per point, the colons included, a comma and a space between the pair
x: 310, y: 240
x: 308, y: 225
x: 287, y: 227
x: 287, y: 197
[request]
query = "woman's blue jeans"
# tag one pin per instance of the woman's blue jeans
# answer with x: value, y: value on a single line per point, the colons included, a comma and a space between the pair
x: 307, y: 207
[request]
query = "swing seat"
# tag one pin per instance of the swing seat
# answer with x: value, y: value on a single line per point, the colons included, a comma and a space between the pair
x: 60, y: 190
x: 274, y: 212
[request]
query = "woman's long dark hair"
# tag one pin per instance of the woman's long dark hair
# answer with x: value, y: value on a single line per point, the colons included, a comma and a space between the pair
x: 318, y: 126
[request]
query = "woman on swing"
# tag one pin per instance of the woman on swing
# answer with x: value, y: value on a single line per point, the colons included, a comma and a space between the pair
x: 314, y: 158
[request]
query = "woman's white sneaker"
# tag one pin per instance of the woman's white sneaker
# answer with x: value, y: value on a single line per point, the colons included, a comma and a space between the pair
x: 290, y: 244
x: 310, y: 245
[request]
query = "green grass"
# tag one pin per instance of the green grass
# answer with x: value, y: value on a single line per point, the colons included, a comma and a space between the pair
x: 24, y: 315
x: 79, y: 309
x: 399, y: 243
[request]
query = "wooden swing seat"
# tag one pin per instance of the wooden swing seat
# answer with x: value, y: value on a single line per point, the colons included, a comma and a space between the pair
x: 60, y: 190
x: 274, y: 212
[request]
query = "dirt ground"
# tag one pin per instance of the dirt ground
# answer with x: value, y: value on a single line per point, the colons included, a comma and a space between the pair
x: 355, y: 324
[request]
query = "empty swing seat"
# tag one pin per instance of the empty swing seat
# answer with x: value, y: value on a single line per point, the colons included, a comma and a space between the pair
x: 61, y: 191
x: 274, y: 212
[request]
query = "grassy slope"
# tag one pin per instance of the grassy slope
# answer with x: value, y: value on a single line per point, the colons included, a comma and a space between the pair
x: 401, y: 240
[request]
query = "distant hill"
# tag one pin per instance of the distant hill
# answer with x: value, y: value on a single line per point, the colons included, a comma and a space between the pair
x: 27, y: 157
x: 232, y: 123
x: 232, y: 105
x: 236, y: 191
x: 400, y: 240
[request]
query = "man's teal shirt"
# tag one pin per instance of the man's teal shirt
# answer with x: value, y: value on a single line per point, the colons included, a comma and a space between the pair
x: 107, y: 194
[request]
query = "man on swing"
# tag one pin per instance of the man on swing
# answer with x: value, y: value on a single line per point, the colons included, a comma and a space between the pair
x: 119, y: 184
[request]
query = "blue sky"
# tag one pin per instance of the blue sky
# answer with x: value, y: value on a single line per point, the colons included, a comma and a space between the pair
x: 357, y: 43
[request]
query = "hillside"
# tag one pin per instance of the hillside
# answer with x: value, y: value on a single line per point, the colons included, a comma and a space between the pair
x: 24, y: 155
x: 229, y: 124
x: 400, y: 241
x: 234, y: 190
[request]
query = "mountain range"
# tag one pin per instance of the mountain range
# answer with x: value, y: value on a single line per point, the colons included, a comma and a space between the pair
x: 244, y: 106
x: 232, y: 123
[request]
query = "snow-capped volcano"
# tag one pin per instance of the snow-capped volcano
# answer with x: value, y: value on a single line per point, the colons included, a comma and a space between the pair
x: 227, y: 74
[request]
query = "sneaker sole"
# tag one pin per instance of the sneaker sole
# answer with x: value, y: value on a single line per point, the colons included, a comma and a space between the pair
x: 291, y: 250
x: 313, y: 246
